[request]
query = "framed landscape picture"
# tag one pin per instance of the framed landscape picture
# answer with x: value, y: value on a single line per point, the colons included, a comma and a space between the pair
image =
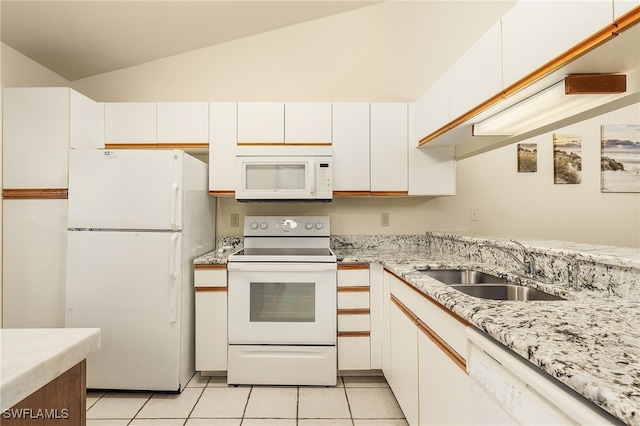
x: 567, y: 159
x: 620, y: 158
x: 527, y: 157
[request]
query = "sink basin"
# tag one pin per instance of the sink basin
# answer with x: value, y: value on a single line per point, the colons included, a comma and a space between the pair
x: 462, y: 276
x: 505, y: 292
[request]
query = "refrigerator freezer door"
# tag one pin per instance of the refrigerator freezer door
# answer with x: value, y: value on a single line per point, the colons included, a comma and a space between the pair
x: 121, y: 282
x: 125, y: 189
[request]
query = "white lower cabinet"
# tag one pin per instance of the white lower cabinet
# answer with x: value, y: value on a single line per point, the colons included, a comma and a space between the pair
x: 443, y: 385
x: 404, y: 363
x: 426, y: 369
x: 211, y: 317
x: 354, y: 319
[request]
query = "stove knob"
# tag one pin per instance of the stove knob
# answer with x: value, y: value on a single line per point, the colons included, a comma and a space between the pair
x: 254, y: 225
x: 319, y: 225
x: 309, y: 225
x: 264, y: 225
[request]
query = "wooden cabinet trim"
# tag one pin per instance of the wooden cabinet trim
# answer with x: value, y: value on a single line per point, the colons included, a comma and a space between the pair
x: 210, y: 266
x: 414, y: 319
x: 389, y: 193
x: 131, y: 145
x: 354, y: 311
x: 223, y: 193
x: 352, y: 265
x: 351, y: 193
x: 354, y: 333
x: 35, y: 194
x: 607, y: 33
x: 354, y: 289
x: 183, y: 145
x: 156, y: 145
x: 211, y: 289
x: 432, y: 300
x: 443, y: 346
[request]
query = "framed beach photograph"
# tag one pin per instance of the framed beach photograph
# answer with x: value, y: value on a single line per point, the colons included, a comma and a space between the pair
x: 527, y: 157
x: 620, y: 158
x: 567, y: 159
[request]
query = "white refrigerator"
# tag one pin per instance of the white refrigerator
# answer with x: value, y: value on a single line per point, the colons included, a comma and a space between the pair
x: 137, y: 219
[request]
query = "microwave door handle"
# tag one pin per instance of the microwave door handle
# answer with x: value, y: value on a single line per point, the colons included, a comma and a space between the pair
x: 312, y: 177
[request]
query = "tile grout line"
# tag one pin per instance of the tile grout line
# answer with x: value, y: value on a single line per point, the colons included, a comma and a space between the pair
x: 344, y: 386
x: 197, y: 400
x: 246, y: 405
x: 297, y: 405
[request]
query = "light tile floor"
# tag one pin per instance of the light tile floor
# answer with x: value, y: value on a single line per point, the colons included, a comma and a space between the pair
x: 209, y: 401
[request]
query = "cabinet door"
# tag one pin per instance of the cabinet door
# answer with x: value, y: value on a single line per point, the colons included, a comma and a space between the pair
x: 84, y: 122
x: 261, y: 123
x: 444, y: 396
x: 432, y: 108
x: 34, y: 250
x: 535, y: 32
x: 35, y: 137
x: 351, y: 170
x: 130, y: 123
x: 389, y: 163
x: 620, y: 7
x: 477, y: 75
x: 404, y: 363
x: 307, y: 123
x: 183, y: 122
x: 211, y: 317
x: 223, y: 136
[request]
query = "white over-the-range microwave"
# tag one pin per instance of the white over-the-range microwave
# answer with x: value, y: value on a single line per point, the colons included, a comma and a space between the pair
x: 284, y: 178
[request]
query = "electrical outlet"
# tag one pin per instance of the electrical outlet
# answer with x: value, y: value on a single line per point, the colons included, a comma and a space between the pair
x: 384, y: 219
x: 474, y: 215
x: 235, y: 220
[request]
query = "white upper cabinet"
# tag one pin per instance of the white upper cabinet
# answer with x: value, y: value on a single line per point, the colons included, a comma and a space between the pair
x: 222, y: 146
x: 432, y: 171
x: 35, y: 137
x: 477, y: 75
x: 86, y: 122
x: 351, y: 146
x: 432, y: 108
x: 130, y: 123
x: 620, y: 7
x: 307, y: 123
x: 389, y: 132
x: 183, y: 122
x: 261, y: 123
x: 534, y: 32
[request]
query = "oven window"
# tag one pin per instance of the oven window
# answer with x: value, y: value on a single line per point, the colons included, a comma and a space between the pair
x: 275, y: 176
x: 282, y: 302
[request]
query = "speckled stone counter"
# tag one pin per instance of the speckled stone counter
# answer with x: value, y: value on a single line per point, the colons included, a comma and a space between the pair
x: 32, y: 358
x: 590, y: 341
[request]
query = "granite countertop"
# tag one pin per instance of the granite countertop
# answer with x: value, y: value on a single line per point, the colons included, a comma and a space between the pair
x: 31, y: 358
x: 590, y: 341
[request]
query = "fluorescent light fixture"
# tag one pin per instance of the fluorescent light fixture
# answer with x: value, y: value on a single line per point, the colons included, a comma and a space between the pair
x: 572, y: 95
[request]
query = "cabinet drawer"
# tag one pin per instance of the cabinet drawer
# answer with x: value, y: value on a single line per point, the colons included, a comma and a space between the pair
x: 353, y: 277
x: 352, y: 299
x: 210, y: 276
x: 351, y: 322
x: 354, y: 353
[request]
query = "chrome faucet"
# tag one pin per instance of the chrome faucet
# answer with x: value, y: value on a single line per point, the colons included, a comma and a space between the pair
x: 528, y: 263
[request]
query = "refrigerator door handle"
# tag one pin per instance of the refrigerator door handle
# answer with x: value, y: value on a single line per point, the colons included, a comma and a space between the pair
x: 175, y: 189
x: 173, y: 278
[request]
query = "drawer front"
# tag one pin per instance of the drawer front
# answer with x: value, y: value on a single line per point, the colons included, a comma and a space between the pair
x: 353, y: 299
x: 210, y: 277
x: 353, y: 277
x: 354, y: 353
x: 350, y: 322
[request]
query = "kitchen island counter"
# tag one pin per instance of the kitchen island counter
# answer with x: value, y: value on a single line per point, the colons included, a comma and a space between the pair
x: 32, y: 358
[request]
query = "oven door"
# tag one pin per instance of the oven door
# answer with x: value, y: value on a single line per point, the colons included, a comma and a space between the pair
x: 282, y: 303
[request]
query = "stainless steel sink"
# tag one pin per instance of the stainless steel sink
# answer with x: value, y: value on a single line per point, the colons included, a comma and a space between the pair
x: 505, y: 292
x: 462, y: 276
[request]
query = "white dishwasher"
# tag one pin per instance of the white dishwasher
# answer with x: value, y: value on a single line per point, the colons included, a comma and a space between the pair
x: 528, y: 395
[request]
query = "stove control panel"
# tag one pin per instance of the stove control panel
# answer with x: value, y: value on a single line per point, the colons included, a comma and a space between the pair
x: 284, y: 226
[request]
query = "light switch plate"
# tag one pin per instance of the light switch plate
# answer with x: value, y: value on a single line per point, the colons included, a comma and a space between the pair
x: 235, y: 220
x: 384, y: 219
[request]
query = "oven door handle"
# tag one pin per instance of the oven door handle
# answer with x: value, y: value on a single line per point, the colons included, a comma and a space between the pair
x: 280, y: 267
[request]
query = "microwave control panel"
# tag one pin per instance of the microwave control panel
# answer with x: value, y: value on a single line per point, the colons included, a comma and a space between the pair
x: 324, y: 185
